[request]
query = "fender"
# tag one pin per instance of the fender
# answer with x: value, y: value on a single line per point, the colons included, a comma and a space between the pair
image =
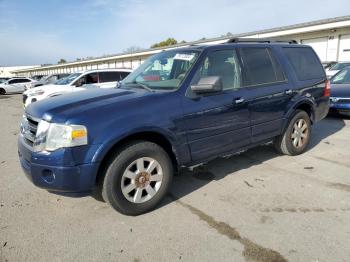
x: 302, y: 100
x: 104, y: 148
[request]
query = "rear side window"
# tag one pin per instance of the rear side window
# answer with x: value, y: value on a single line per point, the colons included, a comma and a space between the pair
x: 305, y: 63
x: 260, y: 66
x: 112, y: 76
x: 20, y: 80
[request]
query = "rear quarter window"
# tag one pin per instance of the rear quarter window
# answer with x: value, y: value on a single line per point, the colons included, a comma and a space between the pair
x: 305, y: 63
x: 261, y: 66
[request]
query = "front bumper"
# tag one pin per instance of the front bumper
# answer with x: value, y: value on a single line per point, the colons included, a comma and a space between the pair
x: 56, y: 171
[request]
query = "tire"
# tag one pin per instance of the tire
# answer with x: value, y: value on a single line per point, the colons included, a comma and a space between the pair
x: 2, y: 91
x: 137, y: 178
x: 295, y: 140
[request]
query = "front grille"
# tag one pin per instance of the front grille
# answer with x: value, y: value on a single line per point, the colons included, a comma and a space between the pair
x: 29, y: 127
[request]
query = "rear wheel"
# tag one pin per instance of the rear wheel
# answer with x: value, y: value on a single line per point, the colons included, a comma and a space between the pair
x: 296, y: 137
x: 137, y: 178
x: 2, y: 91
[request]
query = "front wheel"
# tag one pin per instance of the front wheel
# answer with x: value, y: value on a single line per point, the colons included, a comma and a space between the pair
x: 296, y: 137
x: 2, y: 91
x: 137, y: 178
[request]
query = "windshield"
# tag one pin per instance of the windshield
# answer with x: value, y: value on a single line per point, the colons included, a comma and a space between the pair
x: 67, y: 80
x: 165, y: 70
x: 343, y: 77
x: 339, y: 66
x: 2, y: 80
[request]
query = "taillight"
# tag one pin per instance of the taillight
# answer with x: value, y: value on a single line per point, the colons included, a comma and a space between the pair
x: 327, y: 89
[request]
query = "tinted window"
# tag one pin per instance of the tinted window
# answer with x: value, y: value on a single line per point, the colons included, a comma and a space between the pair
x: 343, y: 77
x: 223, y: 63
x: 16, y: 81
x: 339, y: 66
x: 112, y: 76
x: 91, y: 78
x: 305, y: 63
x: 260, y: 66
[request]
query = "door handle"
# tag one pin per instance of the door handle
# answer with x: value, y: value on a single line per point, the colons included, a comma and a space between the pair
x: 289, y: 91
x: 239, y: 100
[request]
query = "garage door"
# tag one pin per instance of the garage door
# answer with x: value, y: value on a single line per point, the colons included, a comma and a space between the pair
x: 319, y: 45
x: 344, y: 48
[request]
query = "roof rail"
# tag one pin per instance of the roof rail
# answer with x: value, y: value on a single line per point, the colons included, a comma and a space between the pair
x: 259, y: 40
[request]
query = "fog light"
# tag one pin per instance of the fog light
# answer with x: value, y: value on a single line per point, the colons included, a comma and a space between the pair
x: 48, y: 176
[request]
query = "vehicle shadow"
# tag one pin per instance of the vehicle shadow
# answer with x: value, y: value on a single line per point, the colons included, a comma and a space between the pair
x: 5, y: 96
x: 189, y: 181
x: 325, y: 128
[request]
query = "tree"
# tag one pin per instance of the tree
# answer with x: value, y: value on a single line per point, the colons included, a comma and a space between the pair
x: 62, y: 61
x: 133, y: 49
x: 169, y: 41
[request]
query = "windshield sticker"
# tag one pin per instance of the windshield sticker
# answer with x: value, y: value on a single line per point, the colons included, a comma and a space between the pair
x: 186, y: 57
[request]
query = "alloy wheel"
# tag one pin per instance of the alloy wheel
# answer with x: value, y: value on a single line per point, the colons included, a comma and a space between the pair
x: 300, y: 133
x: 141, y: 180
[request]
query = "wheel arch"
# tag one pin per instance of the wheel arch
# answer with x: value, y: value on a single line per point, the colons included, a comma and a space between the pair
x: 151, y: 136
x: 307, y: 105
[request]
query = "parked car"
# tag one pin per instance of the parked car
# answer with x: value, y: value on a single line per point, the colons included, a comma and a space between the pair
x: 103, y: 78
x: 50, y: 79
x: 340, y: 92
x: 331, y: 71
x: 15, y: 85
x: 327, y: 65
x: 37, y: 77
x: 4, y: 79
x: 210, y: 101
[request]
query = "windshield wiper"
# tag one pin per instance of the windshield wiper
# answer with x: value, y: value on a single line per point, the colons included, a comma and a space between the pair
x: 137, y: 84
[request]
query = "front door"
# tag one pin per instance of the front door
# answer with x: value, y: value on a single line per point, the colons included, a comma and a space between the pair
x: 217, y: 123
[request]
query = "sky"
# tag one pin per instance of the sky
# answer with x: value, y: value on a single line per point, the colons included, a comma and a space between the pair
x: 34, y: 32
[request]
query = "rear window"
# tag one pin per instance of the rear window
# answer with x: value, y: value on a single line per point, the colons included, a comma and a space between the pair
x: 305, y: 63
x: 112, y: 76
x: 261, y: 66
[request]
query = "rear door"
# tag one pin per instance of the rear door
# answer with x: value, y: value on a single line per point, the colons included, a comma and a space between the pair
x: 269, y: 91
x: 217, y: 123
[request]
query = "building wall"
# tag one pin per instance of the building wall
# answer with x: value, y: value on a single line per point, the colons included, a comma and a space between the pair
x: 6, y: 71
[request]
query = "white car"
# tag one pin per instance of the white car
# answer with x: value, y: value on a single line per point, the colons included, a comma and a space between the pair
x: 15, y: 85
x: 336, y: 68
x: 103, y: 78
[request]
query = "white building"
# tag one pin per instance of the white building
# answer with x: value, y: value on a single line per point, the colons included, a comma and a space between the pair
x: 7, y: 71
x: 329, y: 37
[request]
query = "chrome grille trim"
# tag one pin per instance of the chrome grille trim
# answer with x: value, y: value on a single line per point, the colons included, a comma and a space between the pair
x: 29, y: 127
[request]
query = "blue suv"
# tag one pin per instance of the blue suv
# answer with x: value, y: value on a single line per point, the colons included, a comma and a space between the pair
x: 181, y: 107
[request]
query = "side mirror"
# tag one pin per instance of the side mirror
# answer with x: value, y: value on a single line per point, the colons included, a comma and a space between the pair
x: 208, y: 84
x: 80, y: 82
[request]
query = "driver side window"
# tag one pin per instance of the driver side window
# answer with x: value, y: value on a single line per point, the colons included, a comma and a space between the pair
x: 224, y: 64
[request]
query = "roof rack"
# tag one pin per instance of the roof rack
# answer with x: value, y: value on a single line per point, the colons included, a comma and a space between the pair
x: 260, y: 40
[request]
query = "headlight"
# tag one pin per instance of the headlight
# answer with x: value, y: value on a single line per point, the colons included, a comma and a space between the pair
x: 51, y: 136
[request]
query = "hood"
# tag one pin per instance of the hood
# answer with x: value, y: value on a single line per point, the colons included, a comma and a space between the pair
x: 33, y: 90
x: 78, y: 104
x: 340, y: 90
